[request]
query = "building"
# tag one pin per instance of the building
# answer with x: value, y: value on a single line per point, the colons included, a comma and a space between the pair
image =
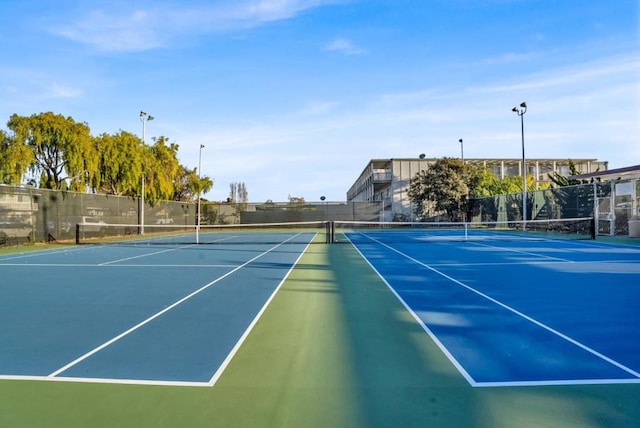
x: 387, y: 180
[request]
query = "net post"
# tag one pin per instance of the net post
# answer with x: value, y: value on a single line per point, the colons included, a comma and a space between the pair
x: 592, y: 228
x: 327, y: 231
x: 77, y: 234
x: 332, y: 234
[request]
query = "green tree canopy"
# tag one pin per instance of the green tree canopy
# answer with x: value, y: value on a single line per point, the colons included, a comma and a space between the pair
x: 120, y: 165
x: 61, y: 148
x: 444, y: 186
x: 161, y: 166
x: 59, y: 151
x: 450, y: 186
x: 563, y: 181
x: 488, y: 184
x: 14, y: 159
x: 187, y: 184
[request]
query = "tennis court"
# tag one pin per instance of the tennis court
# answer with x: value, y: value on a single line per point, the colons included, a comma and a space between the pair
x: 517, y: 309
x: 393, y: 328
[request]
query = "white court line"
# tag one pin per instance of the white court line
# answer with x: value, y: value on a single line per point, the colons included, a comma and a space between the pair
x: 240, y: 341
x: 145, y: 255
x: 69, y: 249
x: 497, y: 302
x: 415, y: 316
x: 75, y: 265
x: 105, y: 380
x: 159, y: 252
x: 168, y: 308
x: 151, y: 265
x: 213, y: 380
x: 528, y: 253
x: 534, y: 262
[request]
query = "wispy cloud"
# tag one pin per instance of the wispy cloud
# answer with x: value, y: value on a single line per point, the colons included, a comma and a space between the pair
x: 34, y: 84
x: 122, y: 29
x: 573, y: 75
x: 315, y: 108
x: 344, y: 46
x: 64, y: 91
x: 132, y: 31
x: 570, y: 118
x: 270, y: 10
x: 510, y: 58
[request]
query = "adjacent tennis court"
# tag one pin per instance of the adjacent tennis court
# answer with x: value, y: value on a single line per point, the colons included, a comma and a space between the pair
x: 139, y: 310
x: 517, y: 309
x: 408, y: 326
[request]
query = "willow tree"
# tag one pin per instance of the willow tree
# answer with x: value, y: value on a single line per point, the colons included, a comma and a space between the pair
x: 161, y: 167
x: 121, y: 157
x: 61, y: 148
x: 14, y: 159
x: 187, y: 185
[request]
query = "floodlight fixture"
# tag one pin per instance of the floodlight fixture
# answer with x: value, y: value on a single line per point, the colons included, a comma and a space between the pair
x: 144, y: 118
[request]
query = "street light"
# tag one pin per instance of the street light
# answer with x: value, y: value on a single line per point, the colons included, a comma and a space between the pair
x: 520, y: 111
x: 461, y: 150
x: 199, y: 184
x: 144, y: 118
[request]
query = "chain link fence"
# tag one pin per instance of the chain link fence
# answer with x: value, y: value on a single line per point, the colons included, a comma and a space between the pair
x: 28, y: 214
x: 613, y: 204
x: 31, y: 215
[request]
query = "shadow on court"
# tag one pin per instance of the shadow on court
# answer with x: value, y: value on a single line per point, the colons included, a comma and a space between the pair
x: 334, y: 348
x: 337, y: 348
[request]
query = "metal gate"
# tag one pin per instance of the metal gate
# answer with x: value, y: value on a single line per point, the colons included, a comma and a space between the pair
x: 605, y: 218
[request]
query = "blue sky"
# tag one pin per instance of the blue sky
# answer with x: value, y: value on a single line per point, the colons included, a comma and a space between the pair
x: 293, y: 97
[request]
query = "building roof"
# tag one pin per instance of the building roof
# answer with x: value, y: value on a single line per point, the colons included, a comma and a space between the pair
x: 626, y: 172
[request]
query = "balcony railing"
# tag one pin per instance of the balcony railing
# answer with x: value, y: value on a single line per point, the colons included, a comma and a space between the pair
x: 381, y: 177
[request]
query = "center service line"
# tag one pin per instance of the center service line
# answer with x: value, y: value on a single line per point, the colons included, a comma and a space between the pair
x: 515, y: 311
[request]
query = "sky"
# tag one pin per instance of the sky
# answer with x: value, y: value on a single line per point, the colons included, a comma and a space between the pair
x: 294, y: 97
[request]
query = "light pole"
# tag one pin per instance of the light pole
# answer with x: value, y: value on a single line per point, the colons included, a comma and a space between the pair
x: 464, y: 214
x: 199, y: 178
x: 326, y: 208
x: 520, y: 111
x: 144, y: 118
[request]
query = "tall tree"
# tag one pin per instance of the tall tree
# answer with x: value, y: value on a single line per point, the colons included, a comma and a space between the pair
x: 443, y: 186
x: 61, y: 147
x: 238, y: 193
x: 120, y: 164
x: 14, y: 159
x: 488, y: 184
x: 161, y: 166
x: 187, y: 184
x: 563, y: 181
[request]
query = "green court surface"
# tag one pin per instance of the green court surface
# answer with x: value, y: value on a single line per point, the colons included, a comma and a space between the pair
x: 335, y: 348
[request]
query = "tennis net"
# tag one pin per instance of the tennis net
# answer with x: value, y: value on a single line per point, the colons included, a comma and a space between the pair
x: 227, y: 234
x: 416, y: 232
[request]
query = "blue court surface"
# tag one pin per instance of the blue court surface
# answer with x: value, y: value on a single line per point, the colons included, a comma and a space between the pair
x: 505, y: 313
x: 154, y: 314
x: 519, y: 312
